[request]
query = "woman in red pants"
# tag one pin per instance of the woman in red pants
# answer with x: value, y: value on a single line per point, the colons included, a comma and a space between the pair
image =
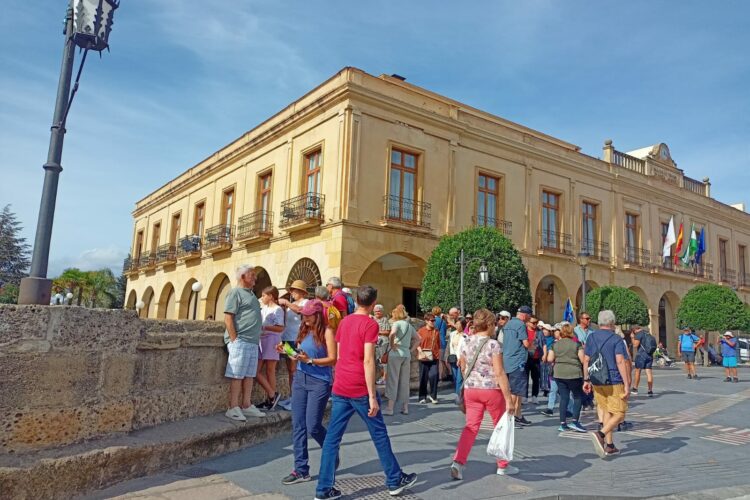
x: 486, y: 388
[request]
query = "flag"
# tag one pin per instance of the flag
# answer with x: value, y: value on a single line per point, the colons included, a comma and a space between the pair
x: 669, y: 239
x: 701, y: 247
x: 569, y: 315
x: 692, y: 247
x: 678, y: 248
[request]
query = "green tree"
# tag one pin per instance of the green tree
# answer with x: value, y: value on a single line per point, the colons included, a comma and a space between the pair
x: 101, y: 288
x: 14, y: 256
x: 120, y: 287
x: 74, y: 280
x: 628, y: 307
x: 711, y: 307
x: 508, y: 286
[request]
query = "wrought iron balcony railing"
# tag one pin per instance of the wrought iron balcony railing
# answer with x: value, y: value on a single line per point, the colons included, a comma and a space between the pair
x: 255, y: 225
x: 189, y: 247
x: 743, y: 280
x: 407, y: 211
x: 728, y: 276
x: 129, y: 265
x: 556, y: 242
x: 147, y: 260
x: 306, y: 208
x: 166, y: 254
x: 218, y: 238
x: 635, y: 256
x: 504, y: 226
x: 703, y: 270
x: 596, y: 250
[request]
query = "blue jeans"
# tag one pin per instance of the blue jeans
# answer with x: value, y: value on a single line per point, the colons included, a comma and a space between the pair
x: 309, y: 398
x: 458, y: 377
x: 571, y: 392
x: 553, y: 393
x: 342, y: 410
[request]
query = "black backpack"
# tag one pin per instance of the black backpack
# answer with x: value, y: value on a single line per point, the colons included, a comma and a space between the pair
x: 598, y: 366
x: 649, y: 343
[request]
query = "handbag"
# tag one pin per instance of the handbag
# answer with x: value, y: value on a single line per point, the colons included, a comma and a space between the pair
x: 460, y: 400
x: 384, y: 357
x: 428, y: 355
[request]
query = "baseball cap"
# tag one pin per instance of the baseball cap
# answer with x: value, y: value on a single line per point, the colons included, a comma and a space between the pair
x: 545, y: 326
x: 728, y: 334
x: 525, y: 310
x: 346, y: 290
x: 504, y: 314
x: 312, y: 307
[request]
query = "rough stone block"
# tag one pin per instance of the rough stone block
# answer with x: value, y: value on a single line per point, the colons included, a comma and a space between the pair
x: 36, y: 429
x: 23, y: 322
x: 177, y: 404
x: 82, y: 329
x: 117, y: 375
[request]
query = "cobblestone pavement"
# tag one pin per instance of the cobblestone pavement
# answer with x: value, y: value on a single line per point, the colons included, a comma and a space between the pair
x: 685, y: 441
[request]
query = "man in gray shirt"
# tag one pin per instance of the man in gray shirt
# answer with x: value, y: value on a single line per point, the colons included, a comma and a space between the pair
x: 515, y: 355
x: 243, y: 322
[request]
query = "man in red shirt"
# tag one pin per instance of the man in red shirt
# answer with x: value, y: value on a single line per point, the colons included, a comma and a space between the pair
x: 354, y: 392
x: 338, y: 297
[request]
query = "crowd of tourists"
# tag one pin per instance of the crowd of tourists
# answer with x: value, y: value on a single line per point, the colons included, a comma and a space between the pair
x: 497, y: 363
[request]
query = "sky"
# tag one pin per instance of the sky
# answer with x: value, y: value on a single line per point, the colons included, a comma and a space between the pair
x: 186, y: 77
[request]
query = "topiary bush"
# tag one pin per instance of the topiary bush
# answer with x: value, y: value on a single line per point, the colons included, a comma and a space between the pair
x: 508, y: 286
x: 628, y: 307
x: 711, y: 307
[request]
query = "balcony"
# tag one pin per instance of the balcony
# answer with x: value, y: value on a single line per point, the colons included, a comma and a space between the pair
x: 728, y: 276
x: 130, y: 265
x: 218, y: 239
x: 743, y: 280
x: 555, y: 242
x: 695, y: 271
x: 147, y: 261
x: 254, y: 227
x: 189, y: 247
x: 406, y: 212
x: 596, y: 250
x: 302, y: 212
x: 637, y: 257
x: 504, y: 226
x: 166, y: 254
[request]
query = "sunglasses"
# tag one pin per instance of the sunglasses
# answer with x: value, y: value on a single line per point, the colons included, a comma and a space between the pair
x: 585, y: 317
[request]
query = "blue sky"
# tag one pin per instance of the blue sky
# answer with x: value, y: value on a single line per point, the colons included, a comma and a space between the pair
x: 186, y: 77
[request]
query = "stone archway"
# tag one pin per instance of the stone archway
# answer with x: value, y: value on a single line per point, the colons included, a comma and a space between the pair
x: 306, y: 270
x: 398, y: 278
x: 165, y: 308
x: 216, y: 296
x: 590, y: 285
x: 132, y: 299
x: 549, y: 299
x: 262, y: 280
x: 667, y: 328
x: 187, y: 301
x: 148, y: 303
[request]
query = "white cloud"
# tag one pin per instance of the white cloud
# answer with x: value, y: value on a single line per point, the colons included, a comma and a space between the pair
x: 90, y: 260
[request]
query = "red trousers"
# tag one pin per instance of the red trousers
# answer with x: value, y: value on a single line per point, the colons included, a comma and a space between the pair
x: 477, y: 401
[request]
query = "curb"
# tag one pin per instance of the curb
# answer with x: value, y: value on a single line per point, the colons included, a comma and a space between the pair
x: 94, y: 465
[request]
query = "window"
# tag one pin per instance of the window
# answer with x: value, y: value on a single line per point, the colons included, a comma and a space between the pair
x: 488, y: 190
x: 723, y: 257
x: 664, y: 232
x: 742, y: 269
x: 227, y: 205
x: 139, y: 244
x: 550, y: 220
x: 588, y: 227
x: 199, y: 218
x: 174, y: 234
x: 312, y: 171
x: 155, y: 237
x: 264, y: 199
x: 402, y: 186
x: 632, y: 240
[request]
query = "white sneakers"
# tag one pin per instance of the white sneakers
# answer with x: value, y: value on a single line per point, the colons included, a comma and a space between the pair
x: 432, y: 400
x: 457, y: 471
x: 241, y: 414
x: 509, y: 470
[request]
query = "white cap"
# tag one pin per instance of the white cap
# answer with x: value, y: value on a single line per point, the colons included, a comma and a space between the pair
x: 728, y: 334
x: 347, y: 291
x: 504, y: 314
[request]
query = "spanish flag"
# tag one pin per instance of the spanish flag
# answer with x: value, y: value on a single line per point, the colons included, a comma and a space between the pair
x: 678, y: 248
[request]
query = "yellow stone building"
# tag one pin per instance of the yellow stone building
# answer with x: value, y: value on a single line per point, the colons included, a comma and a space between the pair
x: 360, y: 178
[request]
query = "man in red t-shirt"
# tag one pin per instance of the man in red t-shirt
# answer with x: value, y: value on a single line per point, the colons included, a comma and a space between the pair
x: 338, y: 297
x: 354, y: 392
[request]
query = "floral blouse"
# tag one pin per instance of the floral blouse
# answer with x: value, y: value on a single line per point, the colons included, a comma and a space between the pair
x: 482, y: 376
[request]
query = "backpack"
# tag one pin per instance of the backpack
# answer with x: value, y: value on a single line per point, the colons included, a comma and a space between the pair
x: 649, y: 344
x: 333, y: 315
x: 598, y: 367
x: 350, y: 304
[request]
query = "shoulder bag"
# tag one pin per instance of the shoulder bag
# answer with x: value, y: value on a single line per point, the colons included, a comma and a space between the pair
x: 428, y: 355
x: 384, y: 357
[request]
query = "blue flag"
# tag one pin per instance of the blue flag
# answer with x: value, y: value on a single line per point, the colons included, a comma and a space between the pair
x: 569, y: 315
x: 701, y: 246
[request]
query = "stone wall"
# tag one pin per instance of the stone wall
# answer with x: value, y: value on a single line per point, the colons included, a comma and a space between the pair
x: 70, y: 373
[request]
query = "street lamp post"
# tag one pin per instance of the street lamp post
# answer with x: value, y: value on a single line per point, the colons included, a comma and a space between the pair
x: 69, y: 296
x: 197, y: 287
x: 87, y: 26
x: 484, y: 274
x: 139, y: 307
x: 583, y: 261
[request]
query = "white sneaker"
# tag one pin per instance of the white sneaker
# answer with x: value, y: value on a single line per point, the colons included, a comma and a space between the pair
x: 235, y: 414
x: 457, y: 471
x: 432, y: 400
x: 525, y: 401
x: 534, y: 400
x: 507, y: 471
x: 423, y: 401
x: 252, y: 411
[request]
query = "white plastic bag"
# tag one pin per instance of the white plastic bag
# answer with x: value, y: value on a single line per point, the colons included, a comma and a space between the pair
x: 501, y: 441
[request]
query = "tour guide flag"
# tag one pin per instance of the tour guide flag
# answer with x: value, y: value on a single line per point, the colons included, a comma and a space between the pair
x: 691, y: 248
x: 568, y: 315
x: 669, y: 239
x: 678, y: 248
x: 701, y: 246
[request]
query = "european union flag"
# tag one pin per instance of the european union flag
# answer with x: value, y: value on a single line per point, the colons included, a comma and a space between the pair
x: 569, y: 315
x: 701, y: 246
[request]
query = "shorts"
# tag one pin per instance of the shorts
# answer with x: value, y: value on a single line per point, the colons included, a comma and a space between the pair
x: 519, y: 382
x: 729, y: 362
x: 688, y: 357
x: 609, y: 398
x: 643, y: 362
x: 268, y: 343
x: 242, y: 361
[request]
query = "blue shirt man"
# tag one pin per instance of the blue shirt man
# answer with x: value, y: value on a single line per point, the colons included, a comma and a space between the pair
x: 610, y: 345
x: 514, y: 351
x: 688, y: 339
x: 442, y: 327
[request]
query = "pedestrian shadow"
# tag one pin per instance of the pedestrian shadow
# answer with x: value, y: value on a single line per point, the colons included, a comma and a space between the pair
x: 551, y: 467
x: 651, y: 445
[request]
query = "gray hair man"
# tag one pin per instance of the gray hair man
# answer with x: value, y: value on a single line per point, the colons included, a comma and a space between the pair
x: 606, y: 361
x: 515, y: 356
x: 338, y: 297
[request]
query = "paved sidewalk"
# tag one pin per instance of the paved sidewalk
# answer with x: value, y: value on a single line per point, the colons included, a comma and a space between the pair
x: 690, y: 439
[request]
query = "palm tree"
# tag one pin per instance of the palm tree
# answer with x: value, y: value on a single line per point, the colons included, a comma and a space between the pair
x: 102, y: 286
x: 74, y: 279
